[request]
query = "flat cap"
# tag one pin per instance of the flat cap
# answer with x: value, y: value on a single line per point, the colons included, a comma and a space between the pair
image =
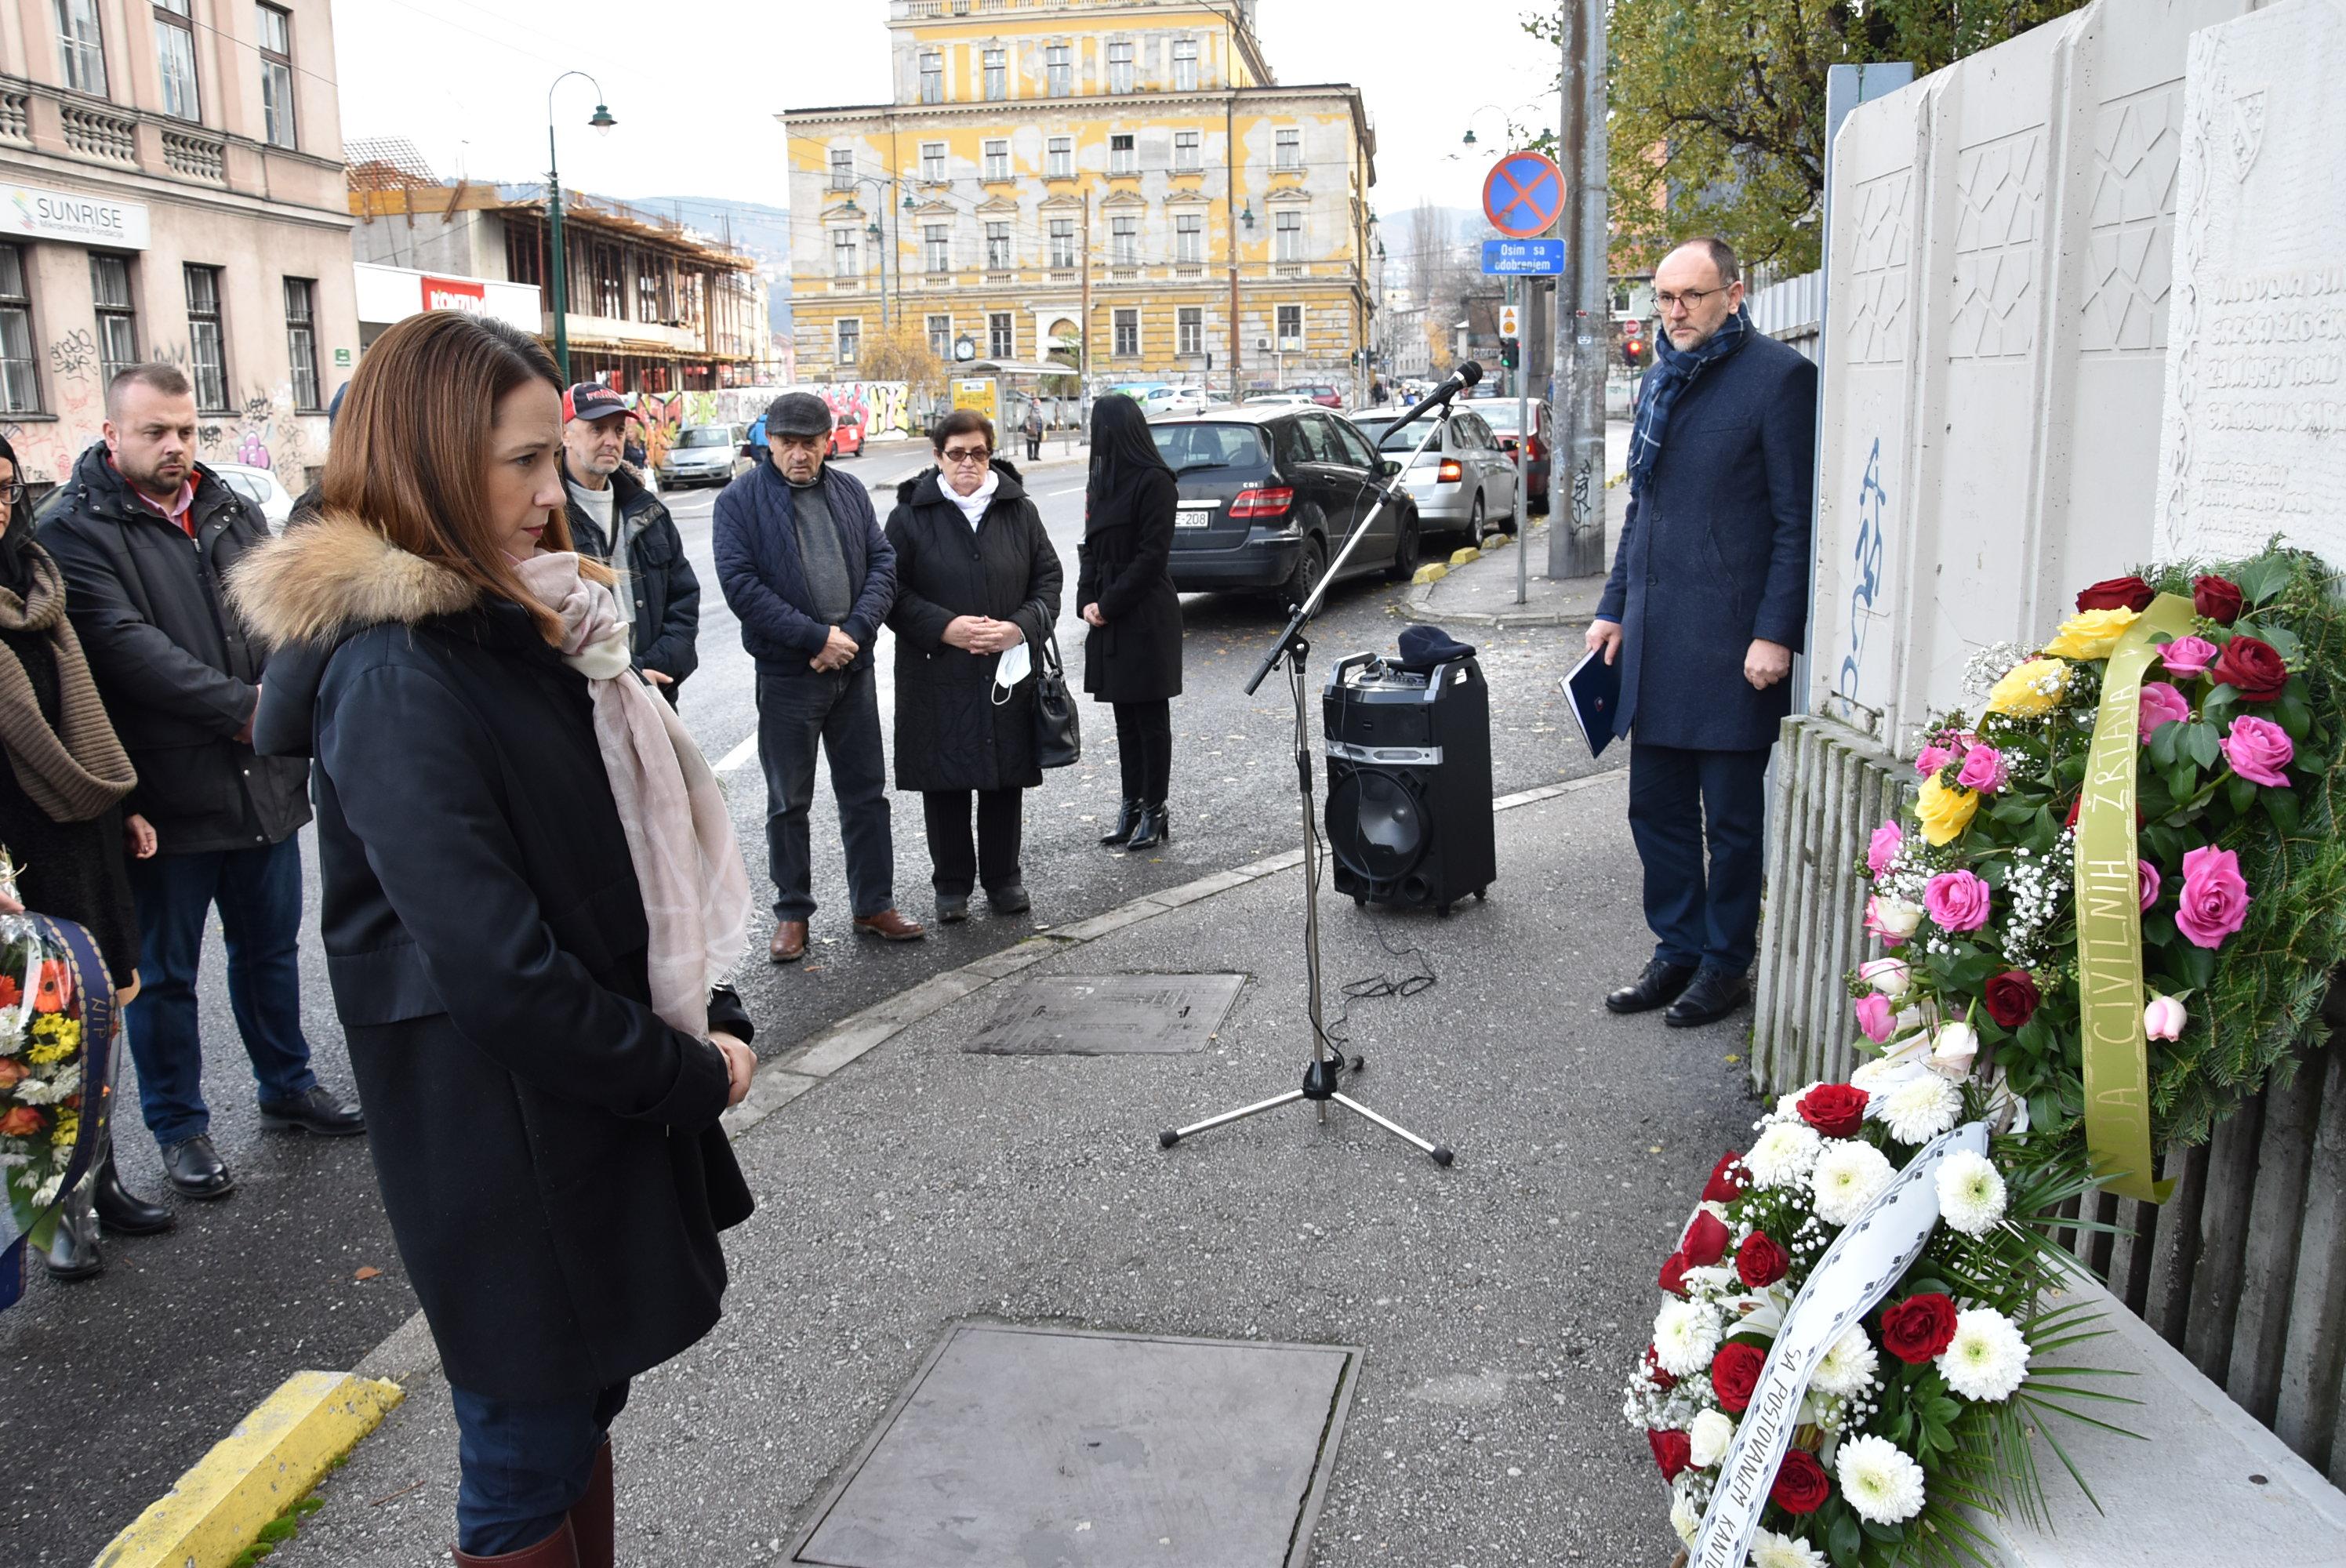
x: 798, y: 414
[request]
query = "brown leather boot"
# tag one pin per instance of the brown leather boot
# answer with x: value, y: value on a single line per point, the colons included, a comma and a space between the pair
x: 789, y: 941
x: 591, y: 1522
x: 559, y: 1549
x: 892, y: 925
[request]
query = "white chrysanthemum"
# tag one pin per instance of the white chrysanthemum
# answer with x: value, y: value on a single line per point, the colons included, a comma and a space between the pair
x: 1987, y: 1358
x: 1684, y: 1519
x: 1708, y: 1438
x: 1971, y: 1193
x: 1919, y: 1109
x: 1686, y: 1335
x: 1849, y: 1176
x: 1769, y: 1549
x: 1882, y: 1483
x: 1848, y: 1366
x: 1784, y: 1155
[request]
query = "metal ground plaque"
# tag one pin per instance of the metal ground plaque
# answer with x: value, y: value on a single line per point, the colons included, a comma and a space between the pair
x: 1018, y: 1446
x: 1108, y: 1014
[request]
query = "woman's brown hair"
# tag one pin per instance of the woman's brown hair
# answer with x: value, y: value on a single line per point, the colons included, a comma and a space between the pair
x: 414, y: 439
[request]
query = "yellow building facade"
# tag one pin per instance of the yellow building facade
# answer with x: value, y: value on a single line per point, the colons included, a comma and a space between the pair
x: 1140, y: 151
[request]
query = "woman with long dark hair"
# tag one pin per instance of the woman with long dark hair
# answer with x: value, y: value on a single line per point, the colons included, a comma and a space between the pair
x: 63, y: 825
x: 1132, y: 654
x: 530, y: 887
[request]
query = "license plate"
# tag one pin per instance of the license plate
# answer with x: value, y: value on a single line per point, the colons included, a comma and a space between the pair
x: 1203, y: 518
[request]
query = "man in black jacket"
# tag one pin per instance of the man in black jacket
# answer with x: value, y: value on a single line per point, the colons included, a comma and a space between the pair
x: 145, y: 535
x: 615, y: 519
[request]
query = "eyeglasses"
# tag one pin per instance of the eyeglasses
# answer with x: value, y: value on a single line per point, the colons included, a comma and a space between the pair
x: 12, y: 494
x: 1690, y: 299
x: 967, y: 453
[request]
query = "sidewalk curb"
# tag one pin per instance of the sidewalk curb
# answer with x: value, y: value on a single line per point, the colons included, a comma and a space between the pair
x: 264, y: 1456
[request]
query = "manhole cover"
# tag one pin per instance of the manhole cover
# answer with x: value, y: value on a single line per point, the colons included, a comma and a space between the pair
x: 1108, y: 1014
x: 1022, y: 1446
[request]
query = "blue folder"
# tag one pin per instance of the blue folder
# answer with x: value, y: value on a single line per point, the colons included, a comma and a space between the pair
x: 1593, y: 695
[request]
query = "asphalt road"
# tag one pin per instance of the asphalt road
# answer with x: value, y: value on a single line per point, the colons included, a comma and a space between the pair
x: 108, y: 1389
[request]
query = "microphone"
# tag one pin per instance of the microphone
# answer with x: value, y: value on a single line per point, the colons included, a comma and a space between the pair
x: 1464, y: 376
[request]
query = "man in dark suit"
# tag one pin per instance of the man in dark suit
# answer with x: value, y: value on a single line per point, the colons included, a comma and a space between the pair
x: 1708, y: 599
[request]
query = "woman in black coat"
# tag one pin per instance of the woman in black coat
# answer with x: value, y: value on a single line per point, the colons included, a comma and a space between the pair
x: 1132, y: 654
x: 546, y: 1144
x: 975, y: 577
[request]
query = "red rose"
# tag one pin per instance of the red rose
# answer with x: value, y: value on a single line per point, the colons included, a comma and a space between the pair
x: 2118, y: 594
x: 1918, y: 1328
x: 1672, y: 1451
x: 1673, y: 1278
x: 1760, y: 1261
x: 1655, y: 1374
x: 1705, y: 1242
x: 2012, y: 998
x: 1725, y: 1186
x: 2253, y: 664
x: 1801, y: 1484
x: 1734, y: 1373
x: 21, y: 1122
x: 2217, y: 599
x: 1836, y: 1110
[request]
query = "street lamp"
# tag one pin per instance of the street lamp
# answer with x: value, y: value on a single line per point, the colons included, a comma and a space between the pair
x: 602, y: 122
x: 880, y: 186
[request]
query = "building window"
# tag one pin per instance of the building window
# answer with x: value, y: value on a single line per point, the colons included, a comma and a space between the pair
x: 302, y: 342
x: 1190, y: 326
x: 1123, y: 155
x: 844, y: 261
x: 1063, y: 157
x: 1124, y: 241
x: 276, y: 75
x: 1189, y: 237
x: 997, y: 247
x: 1186, y: 146
x: 207, y: 353
x: 653, y: 297
x: 1290, y: 150
x: 933, y: 162
x: 1291, y: 328
x: 1185, y: 65
x: 175, y: 54
x: 941, y: 336
x: 607, y: 281
x: 1291, y: 237
x: 118, y: 316
x: 997, y: 74
x: 932, y: 77
x: 20, y: 381
x: 525, y: 252
x: 1127, y: 332
x: 1062, y: 242
x: 843, y: 168
x: 937, y: 240
x: 1119, y: 67
x: 851, y: 335
x: 80, y: 48
x: 1000, y: 342
x: 1058, y: 70
x: 997, y: 160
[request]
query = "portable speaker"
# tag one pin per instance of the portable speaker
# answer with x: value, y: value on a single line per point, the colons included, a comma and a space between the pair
x: 1409, y: 783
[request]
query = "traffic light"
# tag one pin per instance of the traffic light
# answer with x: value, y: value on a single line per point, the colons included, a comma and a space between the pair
x: 1633, y: 353
x: 1511, y: 352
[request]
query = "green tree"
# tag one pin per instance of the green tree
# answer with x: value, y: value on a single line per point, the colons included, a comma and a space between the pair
x: 1717, y: 122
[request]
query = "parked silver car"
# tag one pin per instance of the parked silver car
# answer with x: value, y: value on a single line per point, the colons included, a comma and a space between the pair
x: 701, y: 455
x: 1463, y: 483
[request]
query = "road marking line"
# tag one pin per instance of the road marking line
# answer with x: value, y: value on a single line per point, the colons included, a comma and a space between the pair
x: 1055, y: 495
x: 739, y: 755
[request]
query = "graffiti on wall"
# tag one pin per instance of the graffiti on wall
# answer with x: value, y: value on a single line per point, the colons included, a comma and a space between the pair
x: 1865, y: 586
x: 884, y: 407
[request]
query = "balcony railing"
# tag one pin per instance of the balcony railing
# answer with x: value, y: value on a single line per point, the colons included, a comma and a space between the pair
x: 16, y: 116
x: 95, y: 133
x: 197, y: 157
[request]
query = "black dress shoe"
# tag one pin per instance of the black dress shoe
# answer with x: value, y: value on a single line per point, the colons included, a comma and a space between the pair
x: 1714, y: 994
x: 1010, y: 899
x: 194, y: 1171
x: 122, y: 1211
x: 313, y: 1111
x: 72, y: 1253
x: 1657, y: 987
x: 951, y: 908
x: 1126, y: 822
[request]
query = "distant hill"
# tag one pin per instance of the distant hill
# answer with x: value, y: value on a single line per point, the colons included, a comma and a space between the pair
x: 760, y: 231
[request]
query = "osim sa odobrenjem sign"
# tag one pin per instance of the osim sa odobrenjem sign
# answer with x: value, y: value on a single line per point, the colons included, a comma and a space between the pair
x: 42, y: 214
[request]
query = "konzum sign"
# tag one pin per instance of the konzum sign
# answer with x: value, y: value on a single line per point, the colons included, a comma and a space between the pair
x: 456, y: 294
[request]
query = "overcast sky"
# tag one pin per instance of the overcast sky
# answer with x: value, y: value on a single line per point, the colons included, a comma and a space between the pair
x: 695, y: 84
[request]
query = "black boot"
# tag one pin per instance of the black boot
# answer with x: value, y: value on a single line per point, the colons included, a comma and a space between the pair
x: 1156, y: 826
x: 1126, y: 822
x: 1714, y: 994
x: 73, y: 1251
x: 1659, y: 987
x: 119, y: 1209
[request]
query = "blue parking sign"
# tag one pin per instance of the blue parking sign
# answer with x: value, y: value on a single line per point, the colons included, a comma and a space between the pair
x: 1523, y: 257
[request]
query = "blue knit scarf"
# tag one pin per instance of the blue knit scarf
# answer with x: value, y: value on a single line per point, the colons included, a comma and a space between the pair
x: 1668, y: 381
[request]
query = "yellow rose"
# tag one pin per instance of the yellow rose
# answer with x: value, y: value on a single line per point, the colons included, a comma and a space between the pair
x: 2031, y: 689
x: 1944, y: 810
x: 2092, y: 633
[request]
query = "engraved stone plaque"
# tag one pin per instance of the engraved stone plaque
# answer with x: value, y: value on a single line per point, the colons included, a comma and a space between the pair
x: 1108, y: 1014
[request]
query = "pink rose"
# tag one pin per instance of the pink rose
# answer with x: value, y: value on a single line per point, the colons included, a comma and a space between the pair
x: 2164, y: 1018
x: 1876, y: 1017
x: 2215, y: 899
x: 1931, y: 758
x: 2188, y: 656
x: 2161, y: 704
x: 2259, y: 749
x: 1885, y: 847
x: 1983, y: 769
x: 1958, y: 900
x: 2148, y: 877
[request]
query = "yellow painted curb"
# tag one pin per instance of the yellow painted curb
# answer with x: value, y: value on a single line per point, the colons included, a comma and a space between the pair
x: 275, y: 1455
x: 1497, y: 541
x: 1464, y: 553
x: 1433, y: 572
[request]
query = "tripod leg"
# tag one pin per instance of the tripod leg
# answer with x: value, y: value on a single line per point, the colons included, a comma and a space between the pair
x: 1442, y: 1156
x: 1172, y: 1135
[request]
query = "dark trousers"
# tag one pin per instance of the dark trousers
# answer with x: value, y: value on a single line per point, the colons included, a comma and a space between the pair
x: 840, y: 710
x: 1001, y: 824
x: 1034, y: 445
x: 1143, y: 746
x: 524, y: 1462
x: 258, y: 891
x: 1679, y: 800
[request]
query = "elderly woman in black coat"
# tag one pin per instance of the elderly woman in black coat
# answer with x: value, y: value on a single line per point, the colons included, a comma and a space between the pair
x: 976, y: 578
x: 1132, y: 654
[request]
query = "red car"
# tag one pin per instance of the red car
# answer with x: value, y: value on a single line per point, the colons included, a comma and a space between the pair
x: 1325, y: 396
x: 847, y: 437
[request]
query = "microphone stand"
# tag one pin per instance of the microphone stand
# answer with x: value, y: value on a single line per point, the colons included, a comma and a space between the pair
x: 1323, y: 1074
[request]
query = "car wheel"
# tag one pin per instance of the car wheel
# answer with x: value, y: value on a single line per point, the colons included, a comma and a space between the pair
x: 1474, y: 521
x: 1404, y: 560
x: 1311, y: 564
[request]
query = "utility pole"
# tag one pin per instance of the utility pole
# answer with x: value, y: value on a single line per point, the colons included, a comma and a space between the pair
x: 1584, y: 307
x: 1084, y: 336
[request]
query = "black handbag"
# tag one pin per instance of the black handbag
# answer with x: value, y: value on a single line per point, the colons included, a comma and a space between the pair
x: 1058, y: 733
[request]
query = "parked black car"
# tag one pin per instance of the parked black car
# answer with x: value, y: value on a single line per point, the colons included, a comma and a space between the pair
x: 1268, y: 494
